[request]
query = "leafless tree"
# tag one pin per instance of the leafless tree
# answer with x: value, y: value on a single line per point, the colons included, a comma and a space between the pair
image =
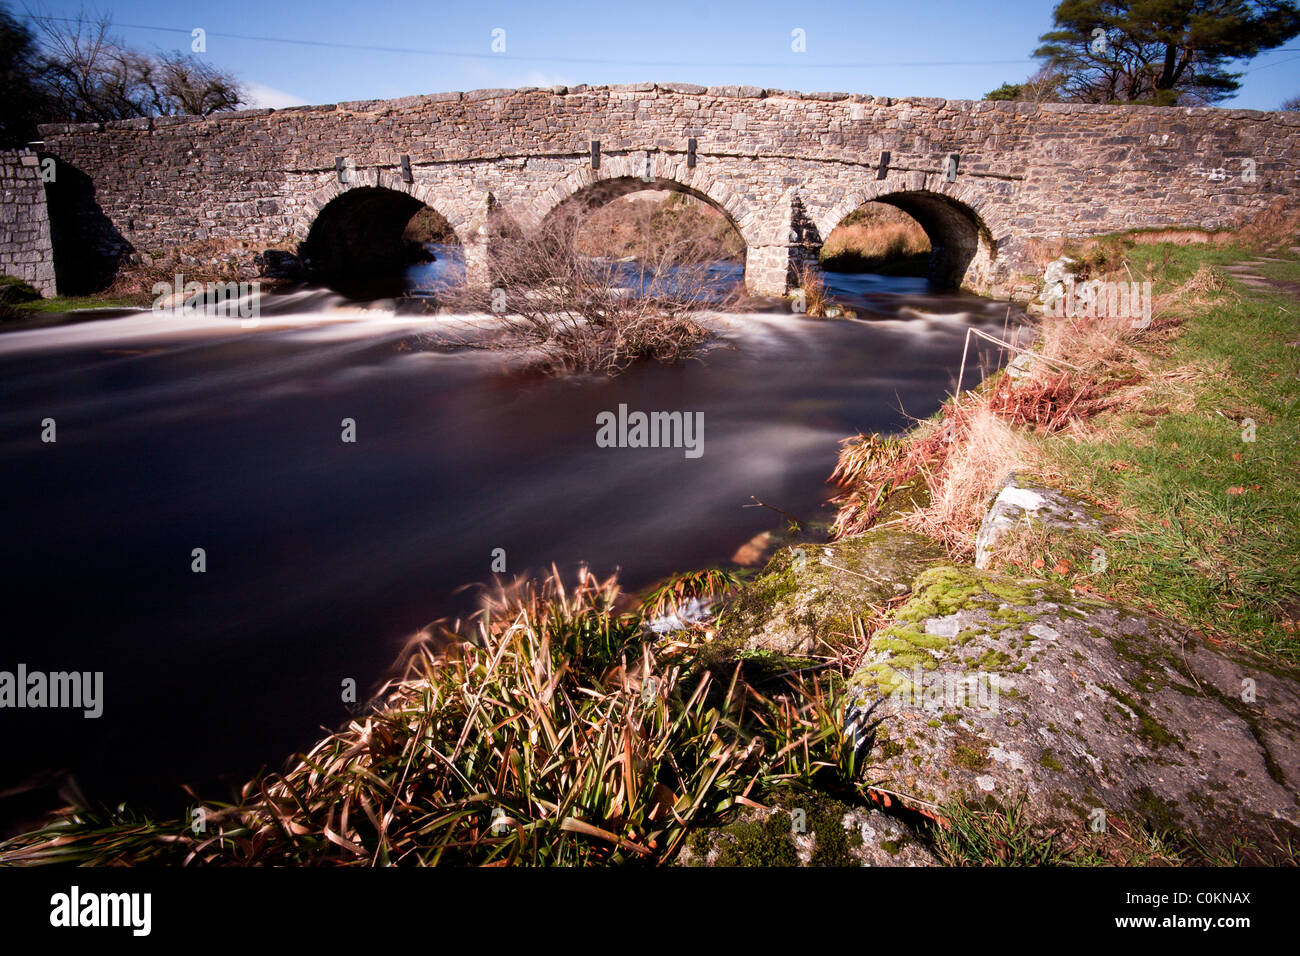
x: 89, y: 75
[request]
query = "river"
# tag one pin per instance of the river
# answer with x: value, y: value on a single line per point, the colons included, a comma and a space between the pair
x: 324, y: 556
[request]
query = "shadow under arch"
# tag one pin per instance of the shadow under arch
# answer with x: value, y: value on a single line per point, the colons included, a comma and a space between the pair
x: 87, y: 247
x: 962, y: 248
x: 358, y: 236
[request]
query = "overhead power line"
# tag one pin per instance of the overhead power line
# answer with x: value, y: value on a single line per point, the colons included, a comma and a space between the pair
x: 598, y: 61
x: 590, y: 61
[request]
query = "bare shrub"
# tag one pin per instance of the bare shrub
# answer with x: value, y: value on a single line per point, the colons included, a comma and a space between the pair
x: 87, y: 74
x: 584, y: 314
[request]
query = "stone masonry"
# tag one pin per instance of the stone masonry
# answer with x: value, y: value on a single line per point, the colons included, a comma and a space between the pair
x: 25, y: 249
x: 983, y: 178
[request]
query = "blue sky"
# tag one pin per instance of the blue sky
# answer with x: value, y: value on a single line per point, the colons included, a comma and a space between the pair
x: 921, y: 48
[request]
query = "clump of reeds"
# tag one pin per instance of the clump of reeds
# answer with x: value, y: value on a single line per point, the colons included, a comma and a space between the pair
x: 872, y: 469
x: 811, y: 285
x: 680, y: 588
x: 553, y: 735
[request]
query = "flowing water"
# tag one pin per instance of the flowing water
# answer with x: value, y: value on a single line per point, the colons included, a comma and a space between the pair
x: 322, y: 556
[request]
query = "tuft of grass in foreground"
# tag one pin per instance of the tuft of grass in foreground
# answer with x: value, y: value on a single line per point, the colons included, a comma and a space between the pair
x: 552, y: 735
x: 709, y: 583
x: 811, y: 282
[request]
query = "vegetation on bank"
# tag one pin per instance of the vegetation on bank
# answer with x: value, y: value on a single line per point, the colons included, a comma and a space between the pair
x: 13, y: 294
x: 18, y: 300
x: 1184, y: 433
x: 877, y: 238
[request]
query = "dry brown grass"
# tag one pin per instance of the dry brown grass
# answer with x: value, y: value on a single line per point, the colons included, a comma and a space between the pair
x: 882, y: 240
x: 962, y: 459
x: 812, y: 284
x: 1276, y: 226
x: 983, y: 450
x: 1085, y: 365
x: 1105, y: 344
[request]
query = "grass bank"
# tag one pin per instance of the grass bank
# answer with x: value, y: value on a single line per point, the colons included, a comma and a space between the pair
x: 1183, y: 434
x: 19, y: 301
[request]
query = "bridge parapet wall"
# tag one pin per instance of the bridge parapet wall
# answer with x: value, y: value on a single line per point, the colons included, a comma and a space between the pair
x: 1022, y: 170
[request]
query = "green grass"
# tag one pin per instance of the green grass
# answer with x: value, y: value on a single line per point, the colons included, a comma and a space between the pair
x: 69, y: 303
x: 1212, y: 529
x: 1002, y: 835
x: 17, y: 299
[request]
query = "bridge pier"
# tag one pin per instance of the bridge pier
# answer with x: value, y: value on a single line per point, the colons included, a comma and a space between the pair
x: 779, y: 249
x: 768, y: 269
x: 773, y: 268
x: 478, y: 272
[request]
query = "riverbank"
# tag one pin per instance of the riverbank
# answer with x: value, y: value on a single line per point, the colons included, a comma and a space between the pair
x: 562, y: 727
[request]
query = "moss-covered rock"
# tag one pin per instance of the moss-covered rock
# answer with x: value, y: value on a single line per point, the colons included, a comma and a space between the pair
x: 985, y: 685
x: 809, y: 596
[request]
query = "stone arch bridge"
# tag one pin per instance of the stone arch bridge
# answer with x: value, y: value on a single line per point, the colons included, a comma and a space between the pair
x: 984, y: 179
